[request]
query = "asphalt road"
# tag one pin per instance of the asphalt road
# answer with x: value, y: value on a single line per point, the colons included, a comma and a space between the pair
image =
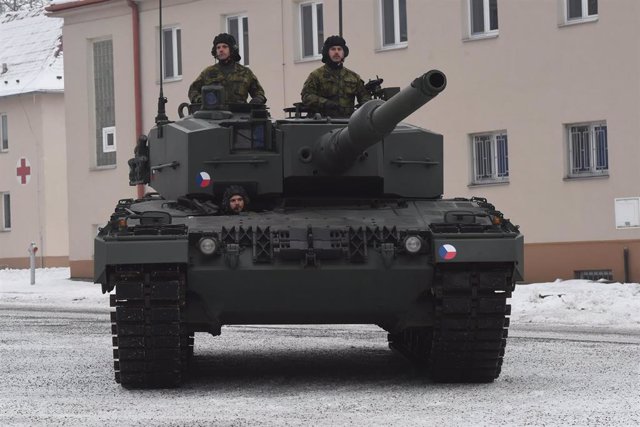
x: 57, y: 370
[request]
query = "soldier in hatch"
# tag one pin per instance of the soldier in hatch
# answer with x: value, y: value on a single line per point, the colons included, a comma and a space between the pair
x: 234, y: 200
x: 238, y: 81
x: 332, y: 88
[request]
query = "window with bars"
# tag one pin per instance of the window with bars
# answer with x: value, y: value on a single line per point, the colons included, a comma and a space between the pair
x: 588, y: 149
x: 171, y: 53
x: 394, y: 22
x: 238, y: 27
x: 311, y: 29
x: 490, y: 157
x: 483, y: 17
x: 5, y: 200
x: 105, y: 115
x: 4, y: 133
x: 581, y: 10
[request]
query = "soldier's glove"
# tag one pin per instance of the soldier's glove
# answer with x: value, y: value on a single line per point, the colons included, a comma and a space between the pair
x: 256, y: 101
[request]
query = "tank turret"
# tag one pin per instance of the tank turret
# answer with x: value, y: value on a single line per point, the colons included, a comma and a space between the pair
x: 337, y: 150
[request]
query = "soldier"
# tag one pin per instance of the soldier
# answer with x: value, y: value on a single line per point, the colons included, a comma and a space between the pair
x: 238, y: 81
x: 234, y: 200
x: 332, y: 88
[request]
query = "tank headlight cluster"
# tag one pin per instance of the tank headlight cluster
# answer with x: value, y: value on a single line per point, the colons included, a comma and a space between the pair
x: 413, y: 244
x: 208, y: 245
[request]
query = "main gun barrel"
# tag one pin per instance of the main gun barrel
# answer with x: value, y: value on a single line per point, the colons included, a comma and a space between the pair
x: 337, y: 150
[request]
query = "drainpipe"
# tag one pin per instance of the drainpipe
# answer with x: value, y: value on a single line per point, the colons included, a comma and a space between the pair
x: 137, y: 92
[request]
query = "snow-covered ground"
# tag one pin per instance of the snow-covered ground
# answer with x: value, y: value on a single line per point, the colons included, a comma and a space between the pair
x: 569, y: 302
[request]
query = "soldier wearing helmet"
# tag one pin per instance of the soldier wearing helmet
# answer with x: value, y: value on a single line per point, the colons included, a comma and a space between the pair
x: 332, y: 88
x: 238, y: 81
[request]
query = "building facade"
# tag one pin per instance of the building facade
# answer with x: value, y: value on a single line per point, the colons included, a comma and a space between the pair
x: 539, y: 116
x: 33, y: 172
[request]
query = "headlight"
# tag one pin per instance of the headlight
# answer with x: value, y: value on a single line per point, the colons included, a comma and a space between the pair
x: 208, y: 245
x: 413, y: 244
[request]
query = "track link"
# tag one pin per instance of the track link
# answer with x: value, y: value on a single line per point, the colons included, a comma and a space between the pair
x: 151, y: 344
x: 468, y: 339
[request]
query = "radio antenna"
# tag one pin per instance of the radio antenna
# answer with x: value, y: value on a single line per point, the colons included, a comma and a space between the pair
x: 161, y: 118
x: 340, y: 17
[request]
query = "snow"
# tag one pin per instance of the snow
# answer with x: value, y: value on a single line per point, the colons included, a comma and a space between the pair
x: 570, y: 302
x: 32, y: 51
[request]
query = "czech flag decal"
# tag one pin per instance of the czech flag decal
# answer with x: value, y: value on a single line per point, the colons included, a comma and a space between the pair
x: 447, y: 252
x: 203, y: 180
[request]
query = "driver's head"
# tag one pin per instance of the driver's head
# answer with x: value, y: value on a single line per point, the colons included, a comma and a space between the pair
x: 235, y: 199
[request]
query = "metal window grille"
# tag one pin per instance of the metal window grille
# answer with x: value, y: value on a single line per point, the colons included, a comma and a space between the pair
x: 588, y: 149
x: 238, y: 27
x: 503, y: 155
x: 491, y: 157
x: 104, y: 98
x: 312, y: 29
x: 484, y: 16
x: 593, y: 275
x: 6, y: 211
x: 4, y: 132
x: 172, y: 53
x: 394, y: 22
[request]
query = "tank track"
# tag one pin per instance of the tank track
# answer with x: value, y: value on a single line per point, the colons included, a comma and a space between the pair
x: 468, y: 338
x: 152, y: 346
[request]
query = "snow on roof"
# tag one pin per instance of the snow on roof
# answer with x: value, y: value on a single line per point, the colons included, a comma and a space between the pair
x: 31, y: 53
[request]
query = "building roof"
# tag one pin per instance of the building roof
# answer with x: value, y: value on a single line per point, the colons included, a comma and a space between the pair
x: 31, y: 54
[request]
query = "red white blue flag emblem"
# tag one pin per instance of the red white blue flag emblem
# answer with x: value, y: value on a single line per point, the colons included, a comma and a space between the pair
x: 447, y: 252
x: 203, y: 180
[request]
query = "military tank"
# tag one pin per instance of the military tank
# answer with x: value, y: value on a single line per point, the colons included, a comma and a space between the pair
x: 347, y: 225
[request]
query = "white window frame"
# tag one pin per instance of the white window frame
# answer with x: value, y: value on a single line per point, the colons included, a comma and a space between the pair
x: 317, y: 50
x: 4, y: 196
x: 585, y: 13
x: 594, y: 168
x: 492, y: 162
x: 4, y: 133
x: 244, y: 57
x: 624, y: 206
x: 111, y: 130
x: 488, y: 32
x: 176, y: 73
x: 396, y: 26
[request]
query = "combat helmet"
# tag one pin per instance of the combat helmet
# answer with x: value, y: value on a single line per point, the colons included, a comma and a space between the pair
x: 229, y: 40
x: 333, y: 41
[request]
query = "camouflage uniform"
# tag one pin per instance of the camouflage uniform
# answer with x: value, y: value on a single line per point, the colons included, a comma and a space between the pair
x: 238, y: 82
x: 337, y: 85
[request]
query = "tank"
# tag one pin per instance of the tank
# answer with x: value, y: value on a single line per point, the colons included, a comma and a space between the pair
x: 346, y: 224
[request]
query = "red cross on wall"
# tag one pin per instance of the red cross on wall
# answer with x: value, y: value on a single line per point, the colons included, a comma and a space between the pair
x: 23, y: 171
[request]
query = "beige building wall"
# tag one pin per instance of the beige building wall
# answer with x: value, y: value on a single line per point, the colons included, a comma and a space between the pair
x: 535, y: 77
x: 39, y: 208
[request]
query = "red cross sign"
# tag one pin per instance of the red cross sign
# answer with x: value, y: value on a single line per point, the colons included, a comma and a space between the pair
x: 23, y: 169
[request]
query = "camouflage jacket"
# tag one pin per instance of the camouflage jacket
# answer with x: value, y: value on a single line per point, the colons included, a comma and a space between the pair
x: 238, y: 82
x: 340, y: 86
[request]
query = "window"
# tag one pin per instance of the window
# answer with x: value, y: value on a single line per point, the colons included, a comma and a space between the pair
x: 4, y: 133
x: 109, y: 139
x: 490, y: 157
x: 104, y: 102
x: 394, y: 22
x: 483, y: 17
x: 581, y: 10
x: 311, y: 29
x: 5, y: 212
x: 238, y: 27
x: 593, y: 275
x: 588, y: 151
x: 171, y: 53
x: 627, y: 212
